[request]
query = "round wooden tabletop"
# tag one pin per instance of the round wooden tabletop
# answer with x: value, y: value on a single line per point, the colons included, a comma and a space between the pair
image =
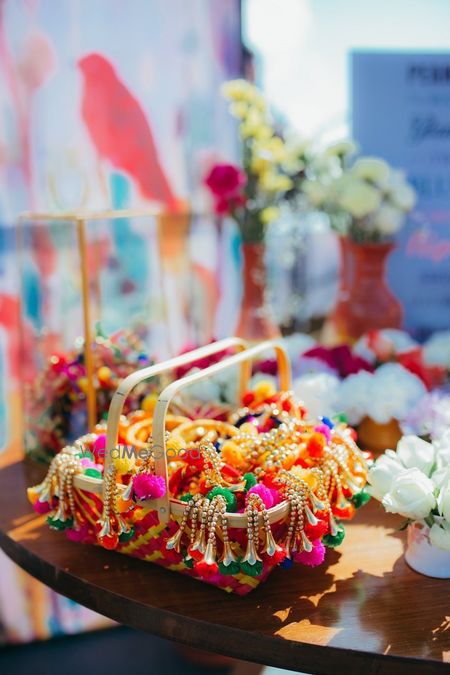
x: 364, y: 610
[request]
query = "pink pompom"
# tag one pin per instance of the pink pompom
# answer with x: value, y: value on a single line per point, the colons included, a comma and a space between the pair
x: 99, y: 446
x: 314, y: 557
x: 148, y: 486
x: 325, y: 430
x: 263, y: 492
x: 41, y: 507
x: 78, y: 535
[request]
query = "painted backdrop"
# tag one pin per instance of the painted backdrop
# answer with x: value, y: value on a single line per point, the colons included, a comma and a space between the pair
x: 105, y: 103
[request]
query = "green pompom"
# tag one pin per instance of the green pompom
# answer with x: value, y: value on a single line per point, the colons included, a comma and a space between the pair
x: 57, y: 524
x: 189, y: 562
x: 337, y: 539
x: 360, y: 498
x: 229, y: 497
x: 126, y: 536
x: 340, y: 418
x: 250, y: 481
x: 186, y: 498
x: 93, y: 473
x: 252, y: 570
x: 229, y: 570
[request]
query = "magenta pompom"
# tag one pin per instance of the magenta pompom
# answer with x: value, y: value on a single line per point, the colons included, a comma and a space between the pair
x: 41, y: 507
x: 263, y: 492
x: 99, y: 446
x: 314, y: 557
x: 148, y: 486
x: 78, y: 535
x: 324, y: 430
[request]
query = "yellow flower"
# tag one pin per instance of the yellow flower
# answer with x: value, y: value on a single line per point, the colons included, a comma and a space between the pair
x: 238, y: 90
x: 239, y: 109
x: 255, y: 126
x: 260, y: 164
x: 273, y: 182
x: 269, y: 214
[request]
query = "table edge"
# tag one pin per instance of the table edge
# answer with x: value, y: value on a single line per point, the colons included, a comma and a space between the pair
x: 194, y: 632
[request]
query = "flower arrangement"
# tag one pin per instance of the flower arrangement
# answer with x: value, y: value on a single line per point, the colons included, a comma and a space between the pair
x: 250, y: 194
x: 414, y: 481
x: 367, y: 201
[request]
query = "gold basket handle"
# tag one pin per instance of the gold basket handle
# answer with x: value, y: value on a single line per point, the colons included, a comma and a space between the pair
x: 128, y: 384
x: 159, y: 417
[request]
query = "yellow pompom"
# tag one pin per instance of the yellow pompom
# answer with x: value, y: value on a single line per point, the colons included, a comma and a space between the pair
x: 124, y: 464
x: 104, y: 374
x: 231, y: 454
x: 263, y: 389
x: 32, y: 495
x: 248, y: 428
x: 175, y: 444
x: 82, y: 383
x: 305, y: 475
x: 149, y: 402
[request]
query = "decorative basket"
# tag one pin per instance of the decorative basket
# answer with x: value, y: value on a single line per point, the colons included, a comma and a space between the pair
x: 201, y: 537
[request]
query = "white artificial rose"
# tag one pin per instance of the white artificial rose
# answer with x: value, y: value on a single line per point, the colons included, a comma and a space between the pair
x: 357, y: 197
x: 372, y: 169
x: 381, y: 475
x: 410, y: 495
x: 412, y: 451
x: 388, y: 219
x: 440, y: 536
x: 443, y: 501
x: 400, y: 192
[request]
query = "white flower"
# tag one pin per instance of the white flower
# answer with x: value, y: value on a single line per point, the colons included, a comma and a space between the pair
x: 410, y: 495
x: 318, y: 392
x: 341, y: 149
x: 440, y: 536
x: 436, y: 351
x: 400, y: 192
x: 356, y: 196
x: 354, y: 396
x: 393, y: 392
x: 413, y: 452
x: 382, y: 474
x: 372, y: 169
x: 388, y: 219
x: 296, y: 344
x: 315, y: 191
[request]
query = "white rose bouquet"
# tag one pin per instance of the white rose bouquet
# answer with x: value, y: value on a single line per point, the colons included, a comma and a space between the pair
x: 367, y: 202
x: 414, y: 481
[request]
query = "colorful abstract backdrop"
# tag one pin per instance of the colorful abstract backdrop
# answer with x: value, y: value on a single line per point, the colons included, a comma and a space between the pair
x: 107, y: 104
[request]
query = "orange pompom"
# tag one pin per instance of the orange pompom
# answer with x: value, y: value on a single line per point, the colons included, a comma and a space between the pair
x: 316, y: 444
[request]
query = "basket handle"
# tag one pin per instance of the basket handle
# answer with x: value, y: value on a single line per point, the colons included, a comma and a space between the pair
x: 126, y: 386
x: 159, y: 416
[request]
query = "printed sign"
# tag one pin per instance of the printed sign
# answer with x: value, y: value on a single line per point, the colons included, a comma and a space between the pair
x: 401, y: 112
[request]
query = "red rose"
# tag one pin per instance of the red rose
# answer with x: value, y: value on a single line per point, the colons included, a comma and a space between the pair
x: 225, y: 180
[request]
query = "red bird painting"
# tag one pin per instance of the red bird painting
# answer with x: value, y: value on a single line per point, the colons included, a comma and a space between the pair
x: 120, y: 130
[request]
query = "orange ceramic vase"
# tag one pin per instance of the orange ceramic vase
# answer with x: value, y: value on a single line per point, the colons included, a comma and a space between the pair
x: 254, y: 323
x: 364, y: 301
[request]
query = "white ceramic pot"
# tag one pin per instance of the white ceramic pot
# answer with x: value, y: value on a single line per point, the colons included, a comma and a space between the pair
x: 422, y: 556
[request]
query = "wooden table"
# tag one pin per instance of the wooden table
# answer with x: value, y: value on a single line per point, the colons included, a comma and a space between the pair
x: 364, y: 611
